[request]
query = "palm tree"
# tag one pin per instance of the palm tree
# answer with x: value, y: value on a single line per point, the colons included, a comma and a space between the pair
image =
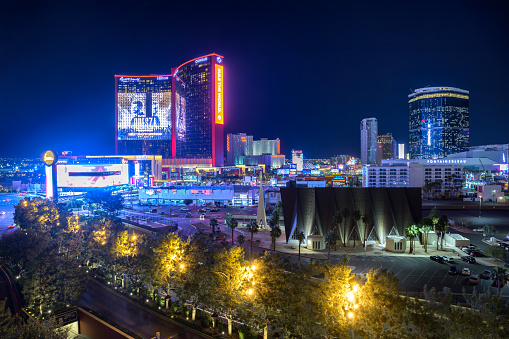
x: 275, y: 232
x: 501, y: 277
x: 441, y: 227
x: 489, y: 230
x: 412, y: 231
x: 367, y: 219
x: 345, y: 214
x: 330, y: 238
x: 426, y: 225
x: 252, y: 228
x: 232, y: 224
x: 300, y: 237
x: 337, y: 219
x: 356, y: 216
x: 213, y: 223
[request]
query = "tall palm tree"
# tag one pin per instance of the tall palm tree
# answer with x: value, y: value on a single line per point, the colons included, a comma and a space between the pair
x: 330, y: 238
x: 275, y: 232
x: 356, y: 216
x: 367, y: 219
x: 232, y: 224
x: 300, y: 237
x: 337, y: 219
x: 213, y: 223
x: 345, y: 214
x: 441, y: 227
x: 425, y: 226
x: 252, y: 228
x: 412, y: 231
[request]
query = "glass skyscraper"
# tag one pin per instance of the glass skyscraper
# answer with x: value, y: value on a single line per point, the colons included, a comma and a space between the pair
x: 178, y: 115
x: 438, y: 122
x: 369, y: 134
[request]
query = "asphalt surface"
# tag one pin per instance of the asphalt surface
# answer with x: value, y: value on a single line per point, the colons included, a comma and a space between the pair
x: 129, y: 315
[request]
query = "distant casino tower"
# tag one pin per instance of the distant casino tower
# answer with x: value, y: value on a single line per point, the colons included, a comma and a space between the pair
x: 438, y: 122
x: 178, y: 115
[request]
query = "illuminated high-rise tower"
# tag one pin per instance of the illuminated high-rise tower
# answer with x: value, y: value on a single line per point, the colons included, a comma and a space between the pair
x: 369, y: 134
x: 438, y: 122
x: 177, y: 115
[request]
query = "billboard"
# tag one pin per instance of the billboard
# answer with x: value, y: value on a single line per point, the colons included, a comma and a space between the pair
x: 92, y: 175
x: 180, y: 116
x: 144, y: 116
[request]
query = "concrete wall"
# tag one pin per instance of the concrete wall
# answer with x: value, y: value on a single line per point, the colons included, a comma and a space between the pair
x: 93, y: 327
x: 456, y: 240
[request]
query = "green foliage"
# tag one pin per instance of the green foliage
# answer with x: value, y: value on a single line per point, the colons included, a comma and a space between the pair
x: 489, y: 230
x: 35, y: 329
x: 6, y: 318
x: 104, y: 199
x: 496, y: 251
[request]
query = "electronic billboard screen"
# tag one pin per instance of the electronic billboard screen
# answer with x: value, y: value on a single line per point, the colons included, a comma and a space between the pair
x: 144, y: 116
x: 92, y: 175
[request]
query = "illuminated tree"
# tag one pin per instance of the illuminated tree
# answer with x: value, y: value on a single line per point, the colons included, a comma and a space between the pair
x: 33, y: 328
x: 124, y: 250
x: 380, y: 311
x: 262, y: 308
x: 193, y: 282
x: 37, y: 214
x: 167, y: 261
x: 335, y: 296
x: 232, y: 281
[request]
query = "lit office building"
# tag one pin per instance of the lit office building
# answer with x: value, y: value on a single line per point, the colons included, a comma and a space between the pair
x: 387, y: 147
x: 265, y: 146
x: 178, y: 115
x: 204, y: 79
x: 438, y: 122
x: 237, y: 147
x: 298, y: 160
x: 401, y: 151
x: 369, y: 133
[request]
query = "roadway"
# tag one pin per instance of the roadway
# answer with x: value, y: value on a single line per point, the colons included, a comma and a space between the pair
x: 7, y: 202
x: 129, y: 315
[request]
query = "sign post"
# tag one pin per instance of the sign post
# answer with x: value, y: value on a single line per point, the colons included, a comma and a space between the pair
x: 50, y: 158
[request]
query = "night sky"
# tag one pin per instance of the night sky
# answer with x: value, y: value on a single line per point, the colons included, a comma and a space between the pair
x: 305, y: 72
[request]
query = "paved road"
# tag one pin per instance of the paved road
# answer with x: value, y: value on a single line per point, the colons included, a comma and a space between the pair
x: 129, y: 315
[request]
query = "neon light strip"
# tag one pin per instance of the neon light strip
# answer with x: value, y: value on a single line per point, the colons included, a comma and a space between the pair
x: 438, y: 95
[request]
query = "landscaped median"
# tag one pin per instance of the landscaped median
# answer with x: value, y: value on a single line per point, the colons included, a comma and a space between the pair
x: 178, y: 314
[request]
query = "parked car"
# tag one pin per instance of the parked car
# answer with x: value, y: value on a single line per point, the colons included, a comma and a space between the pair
x: 185, y: 209
x: 465, y: 271
x: 476, y: 254
x: 433, y: 257
x: 154, y: 210
x: 202, y: 210
x: 474, y: 279
x: 485, y: 274
x: 448, y: 259
x: 188, y: 215
x: 440, y: 260
x: 453, y: 270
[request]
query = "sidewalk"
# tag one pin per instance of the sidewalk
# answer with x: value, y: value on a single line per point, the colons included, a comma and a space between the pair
x: 378, y: 250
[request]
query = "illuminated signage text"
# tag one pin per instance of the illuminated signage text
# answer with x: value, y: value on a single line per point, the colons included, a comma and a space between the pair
x: 219, y: 95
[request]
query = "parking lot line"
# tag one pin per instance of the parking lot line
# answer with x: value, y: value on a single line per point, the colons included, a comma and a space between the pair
x: 420, y: 276
x: 432, y: 276
x: 408, y: 275
x: 446, y: 274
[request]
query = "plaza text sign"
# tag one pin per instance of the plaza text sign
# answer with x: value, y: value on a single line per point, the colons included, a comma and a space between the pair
x: 446, y: 161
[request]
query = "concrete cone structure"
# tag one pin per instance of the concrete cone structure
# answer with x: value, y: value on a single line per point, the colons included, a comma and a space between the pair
x: 261, y: 217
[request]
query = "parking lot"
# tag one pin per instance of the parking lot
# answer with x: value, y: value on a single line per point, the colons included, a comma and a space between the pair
x: 415, y: 272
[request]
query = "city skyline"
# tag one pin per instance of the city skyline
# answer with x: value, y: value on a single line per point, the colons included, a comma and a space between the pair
x: 364, y: 60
